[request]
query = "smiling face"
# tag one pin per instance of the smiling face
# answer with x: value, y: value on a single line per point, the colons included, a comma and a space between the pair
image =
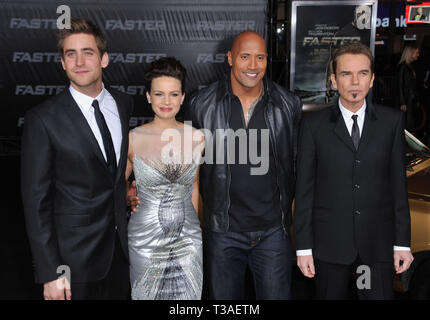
x: 83, y: 64
x: 165, y: 97
x: 248, y: 61
x: 353, y: 78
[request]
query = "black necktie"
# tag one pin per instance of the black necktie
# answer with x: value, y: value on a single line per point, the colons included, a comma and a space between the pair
x: 355, y: 133
x: 107, y: 139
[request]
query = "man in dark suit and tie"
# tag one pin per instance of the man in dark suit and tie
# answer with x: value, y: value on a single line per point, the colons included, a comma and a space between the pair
x: 74, y: 153
x: 351, y: 205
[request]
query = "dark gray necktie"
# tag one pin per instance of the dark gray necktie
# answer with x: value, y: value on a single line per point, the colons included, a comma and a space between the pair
x: 107, y: 139
x: 355, y: 133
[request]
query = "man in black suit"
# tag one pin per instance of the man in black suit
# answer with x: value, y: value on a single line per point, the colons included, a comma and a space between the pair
x: 74, y: 153
x: 351, y: 204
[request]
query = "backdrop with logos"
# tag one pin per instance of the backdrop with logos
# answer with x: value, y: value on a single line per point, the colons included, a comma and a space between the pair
x: 199, y: 33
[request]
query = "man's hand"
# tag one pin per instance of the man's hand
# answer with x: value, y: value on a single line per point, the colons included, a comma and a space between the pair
x: 306, y: 265
x: 132, y: 198
x: 57, y: 290
x: 403, y: 107
x: 406, y: 257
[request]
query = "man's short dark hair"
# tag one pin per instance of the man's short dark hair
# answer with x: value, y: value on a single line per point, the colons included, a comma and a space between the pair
x: 352, y: 48
x: 82, y: 26
x: 166, y: 67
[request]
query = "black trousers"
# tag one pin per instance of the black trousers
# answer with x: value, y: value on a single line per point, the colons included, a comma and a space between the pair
x: 115, y: 286
x: 370, y: 282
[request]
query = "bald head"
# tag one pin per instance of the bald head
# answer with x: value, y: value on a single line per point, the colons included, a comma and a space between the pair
x: 248, y: 61
x: 246, y: 36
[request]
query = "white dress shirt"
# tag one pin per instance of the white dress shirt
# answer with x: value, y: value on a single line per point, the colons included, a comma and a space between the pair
x: 109, y: 110
x: 347, y: 117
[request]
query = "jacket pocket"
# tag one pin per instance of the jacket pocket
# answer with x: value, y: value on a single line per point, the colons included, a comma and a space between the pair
x: 72, y: 220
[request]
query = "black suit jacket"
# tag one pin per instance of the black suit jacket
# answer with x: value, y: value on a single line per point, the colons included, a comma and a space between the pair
x: 406, y: 92
x: 351, y: 202
x: 71, y: 202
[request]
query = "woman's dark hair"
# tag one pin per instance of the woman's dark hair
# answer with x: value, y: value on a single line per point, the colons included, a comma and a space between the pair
x: 166, y: 67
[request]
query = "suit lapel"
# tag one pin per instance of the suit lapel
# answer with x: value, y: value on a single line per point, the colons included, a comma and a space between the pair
x: 82, y: 126
x: 122, y: 111
x: 370, y: 123
x: 340, y: 129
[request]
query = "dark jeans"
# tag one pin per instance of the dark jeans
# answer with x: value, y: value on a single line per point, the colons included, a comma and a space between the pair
x: 266, y: 253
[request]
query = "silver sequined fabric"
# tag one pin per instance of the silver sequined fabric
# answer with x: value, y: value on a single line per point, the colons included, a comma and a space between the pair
x: 165, y: 243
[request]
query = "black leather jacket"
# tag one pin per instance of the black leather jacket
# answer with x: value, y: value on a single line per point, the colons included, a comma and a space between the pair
x: 406, y: 85
x: 209, y: 108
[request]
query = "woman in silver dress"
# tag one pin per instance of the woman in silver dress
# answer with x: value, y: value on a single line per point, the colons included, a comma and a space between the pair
x: 164, y: 233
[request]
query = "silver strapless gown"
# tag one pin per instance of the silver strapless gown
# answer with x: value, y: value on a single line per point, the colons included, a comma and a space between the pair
x: 165, y: 243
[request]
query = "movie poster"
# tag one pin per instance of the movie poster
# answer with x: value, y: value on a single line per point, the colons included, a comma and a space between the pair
x: 320, y: 28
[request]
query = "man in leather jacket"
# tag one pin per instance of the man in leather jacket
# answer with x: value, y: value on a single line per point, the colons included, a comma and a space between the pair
x: 246, y: 215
